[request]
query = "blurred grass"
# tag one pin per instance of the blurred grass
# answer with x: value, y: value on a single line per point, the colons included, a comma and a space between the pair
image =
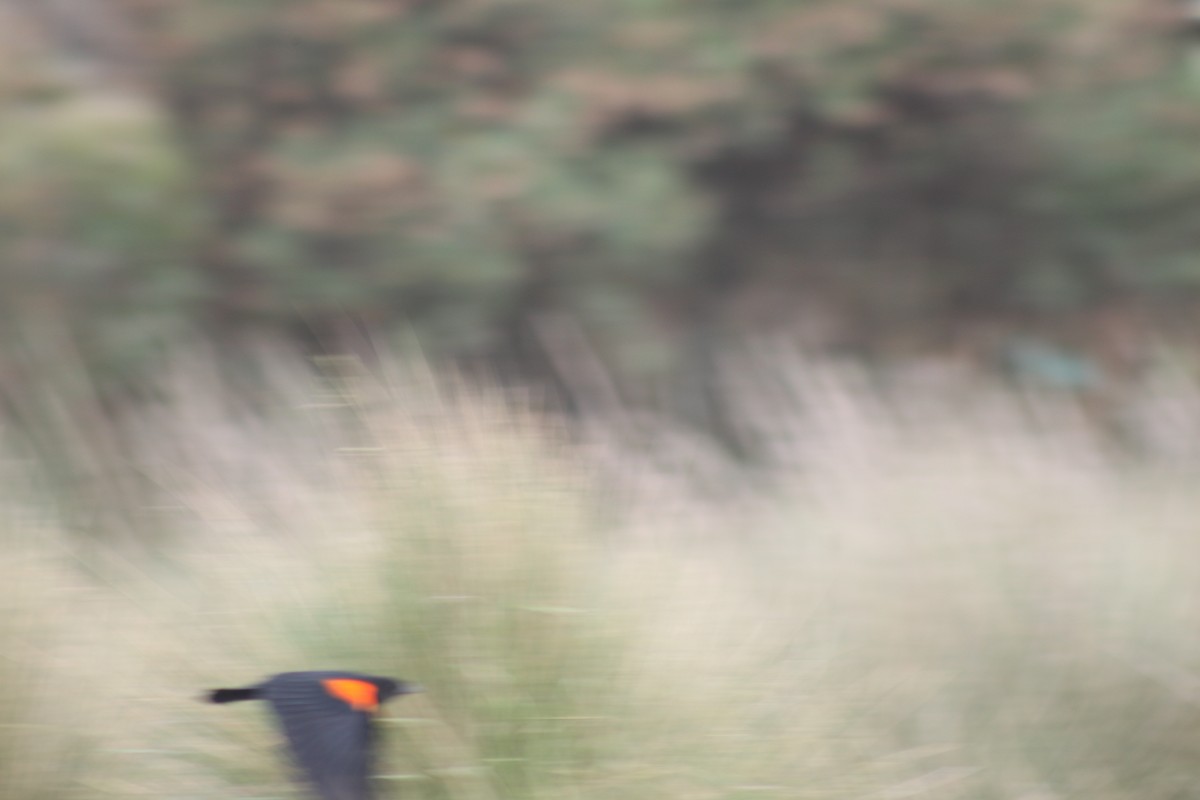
x: 953, y: 594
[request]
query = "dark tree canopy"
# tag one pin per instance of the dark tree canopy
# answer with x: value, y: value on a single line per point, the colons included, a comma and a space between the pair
x: 661, y: 173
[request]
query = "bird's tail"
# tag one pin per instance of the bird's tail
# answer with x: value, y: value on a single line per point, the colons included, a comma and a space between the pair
x: 232, y: 695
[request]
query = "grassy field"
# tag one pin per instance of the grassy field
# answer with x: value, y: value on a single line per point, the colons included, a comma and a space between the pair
x: 956, y: 593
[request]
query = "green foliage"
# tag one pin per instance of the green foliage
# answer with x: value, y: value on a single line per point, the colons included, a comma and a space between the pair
x: 464, y: 169
x: 492, y: 161
x: 97, y: 226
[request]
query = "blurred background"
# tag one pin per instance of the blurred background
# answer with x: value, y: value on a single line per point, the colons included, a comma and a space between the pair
x: 528, y: 186
x: 822, y: 374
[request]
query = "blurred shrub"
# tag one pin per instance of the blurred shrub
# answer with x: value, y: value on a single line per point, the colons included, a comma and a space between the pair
x: 661, y: 171
x: 96, y: 224
x: 468, y: 164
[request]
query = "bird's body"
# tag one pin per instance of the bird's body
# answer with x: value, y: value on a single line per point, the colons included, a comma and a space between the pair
x: 326, y: 718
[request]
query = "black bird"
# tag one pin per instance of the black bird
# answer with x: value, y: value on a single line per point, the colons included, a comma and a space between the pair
x: 326, y: 717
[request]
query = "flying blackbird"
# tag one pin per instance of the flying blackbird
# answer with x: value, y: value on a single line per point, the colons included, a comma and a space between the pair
x: 326, y: 717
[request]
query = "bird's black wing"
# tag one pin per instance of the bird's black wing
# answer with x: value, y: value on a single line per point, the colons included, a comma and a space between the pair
x: 331, y: 741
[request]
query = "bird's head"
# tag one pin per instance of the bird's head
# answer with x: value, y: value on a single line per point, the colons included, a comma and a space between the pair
x: 389, y: 688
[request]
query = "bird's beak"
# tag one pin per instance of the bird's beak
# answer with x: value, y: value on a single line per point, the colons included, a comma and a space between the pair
x: 410, y: 688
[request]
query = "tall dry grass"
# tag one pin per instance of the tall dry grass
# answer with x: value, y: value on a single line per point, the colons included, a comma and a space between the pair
x: 953, y: 593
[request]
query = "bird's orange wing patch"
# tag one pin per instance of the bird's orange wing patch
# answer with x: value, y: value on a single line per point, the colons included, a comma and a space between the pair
x: 360, y: 695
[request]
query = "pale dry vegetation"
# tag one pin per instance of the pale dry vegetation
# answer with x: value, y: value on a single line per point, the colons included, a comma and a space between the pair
x: 953, y: 594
